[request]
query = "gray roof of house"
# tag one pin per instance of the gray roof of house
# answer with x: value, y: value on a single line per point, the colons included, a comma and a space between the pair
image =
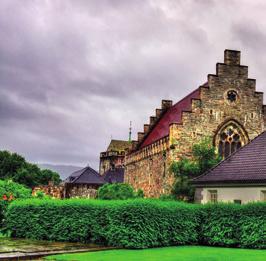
x: 86, y: 175
x: 247, y: 165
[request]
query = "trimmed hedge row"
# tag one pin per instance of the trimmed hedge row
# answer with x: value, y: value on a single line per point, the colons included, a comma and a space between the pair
x: 139, y: 223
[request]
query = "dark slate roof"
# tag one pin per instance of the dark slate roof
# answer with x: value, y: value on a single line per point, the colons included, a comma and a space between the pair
x: 247, y: 165
x: 172, y: 115
x: 118, y: 145
x: 114, y: 175
x: 86, y: 175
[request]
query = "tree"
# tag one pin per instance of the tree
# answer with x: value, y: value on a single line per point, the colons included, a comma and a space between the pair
x: 16, y: 168
x: 203, y: 158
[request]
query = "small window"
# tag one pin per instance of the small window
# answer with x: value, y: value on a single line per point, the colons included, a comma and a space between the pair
x: 231, y: 96
x: 213, y: 196
x: 237, y: 201
x: 263, y: 195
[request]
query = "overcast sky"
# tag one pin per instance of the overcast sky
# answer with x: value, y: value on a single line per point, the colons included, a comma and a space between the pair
x: 74, y: 73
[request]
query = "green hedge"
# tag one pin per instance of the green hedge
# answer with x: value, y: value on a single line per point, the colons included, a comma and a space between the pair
x: 10, y: 191
x: 234, y: 225
x: 132, y: 224
x: 138, y: 223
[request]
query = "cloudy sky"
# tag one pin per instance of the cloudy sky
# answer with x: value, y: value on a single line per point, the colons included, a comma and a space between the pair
x: 73, y: 73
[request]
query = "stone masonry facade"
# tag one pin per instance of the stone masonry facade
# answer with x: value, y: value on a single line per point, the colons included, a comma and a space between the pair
x: 227, y: 108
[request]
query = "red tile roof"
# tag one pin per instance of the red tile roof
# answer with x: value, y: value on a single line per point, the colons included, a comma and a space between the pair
x: 172, y: 115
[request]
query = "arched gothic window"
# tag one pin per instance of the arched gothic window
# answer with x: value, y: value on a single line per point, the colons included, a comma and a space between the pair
x: 229, y: 138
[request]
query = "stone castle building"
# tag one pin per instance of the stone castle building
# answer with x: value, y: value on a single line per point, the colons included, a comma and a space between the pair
x: 226, y: 108
x: 114, y: 156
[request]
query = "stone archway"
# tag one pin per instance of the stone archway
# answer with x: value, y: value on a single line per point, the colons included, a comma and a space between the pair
x: 229, y: 137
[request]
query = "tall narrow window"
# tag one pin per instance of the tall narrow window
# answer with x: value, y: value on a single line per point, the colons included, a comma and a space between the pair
x: 263, y: 195
x: 229, y: 139
x: 213, y: 196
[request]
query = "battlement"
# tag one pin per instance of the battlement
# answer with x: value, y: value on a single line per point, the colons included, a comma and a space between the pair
x: 108, y: 154
x: 159, y: 146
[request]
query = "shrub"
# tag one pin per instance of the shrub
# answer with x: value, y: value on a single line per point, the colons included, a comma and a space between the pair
x: 203, y: 158
x: 134, y: 224
x: 234, y: 225
x: 118, y: 191
x: 9, y: 191
x: 138, y: 223
x: 167, y: 197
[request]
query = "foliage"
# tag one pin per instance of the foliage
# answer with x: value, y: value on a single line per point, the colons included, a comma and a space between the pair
x: 187, y: 253
x: 134, y: 223
x: 41, y: 195
x: 118, y: 191
x: 15, y: 167
x: 8, y: 192
x: 234, y: 225
x: 167, y: 197
x: 138, y: 223
x: 203, y: 158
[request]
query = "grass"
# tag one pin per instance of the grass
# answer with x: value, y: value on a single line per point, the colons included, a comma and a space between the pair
x: 186, y: 253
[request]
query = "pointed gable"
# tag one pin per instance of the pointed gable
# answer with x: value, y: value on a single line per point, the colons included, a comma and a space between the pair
x: 86, y: 175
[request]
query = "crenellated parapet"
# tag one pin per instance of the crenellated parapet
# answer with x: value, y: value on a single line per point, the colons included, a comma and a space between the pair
x: 159, y: 146
x: 107, y: 154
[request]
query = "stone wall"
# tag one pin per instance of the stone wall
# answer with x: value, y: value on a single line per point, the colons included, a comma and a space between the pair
x: 148, y: 169
x: 50, y: 190
x: 81, y: 191
x: 216, y: 109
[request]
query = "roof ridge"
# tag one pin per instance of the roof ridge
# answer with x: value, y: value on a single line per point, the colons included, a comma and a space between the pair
x: 82, y: 171
x: 93, y: 172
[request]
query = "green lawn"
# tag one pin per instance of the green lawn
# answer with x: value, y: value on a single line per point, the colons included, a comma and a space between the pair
x: 186, y: 253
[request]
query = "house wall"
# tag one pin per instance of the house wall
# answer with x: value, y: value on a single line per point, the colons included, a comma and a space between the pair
x: 207, y: 116
x: 245, y: 194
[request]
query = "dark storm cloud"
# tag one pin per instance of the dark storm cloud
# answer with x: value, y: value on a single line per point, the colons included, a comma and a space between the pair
x: 74, y: 73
